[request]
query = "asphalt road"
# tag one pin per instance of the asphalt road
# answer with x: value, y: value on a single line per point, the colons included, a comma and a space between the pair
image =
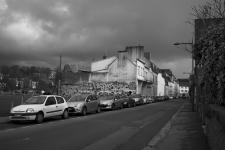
x: 130, y: 128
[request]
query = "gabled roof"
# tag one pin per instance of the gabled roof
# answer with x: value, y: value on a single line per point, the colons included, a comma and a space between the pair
x: 102, y: 65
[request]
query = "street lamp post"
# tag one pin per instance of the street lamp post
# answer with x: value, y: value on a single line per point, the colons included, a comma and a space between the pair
x: 190, y: 51
x: 193, y: 100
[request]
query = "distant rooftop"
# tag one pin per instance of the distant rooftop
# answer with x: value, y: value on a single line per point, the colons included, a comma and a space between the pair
x: 77, y: 67
x: 102, y: 64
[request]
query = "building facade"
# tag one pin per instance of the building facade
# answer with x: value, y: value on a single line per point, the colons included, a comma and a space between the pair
x: 171, y: 85
x: 130, y: 66
x: 183, y: 87
x: 160, y: 85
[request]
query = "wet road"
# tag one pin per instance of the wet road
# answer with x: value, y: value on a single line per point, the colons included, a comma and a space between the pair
x: 124, y: 129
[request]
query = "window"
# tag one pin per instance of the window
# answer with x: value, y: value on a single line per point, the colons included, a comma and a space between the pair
x: 138, y: 70
x: 50, y: 101
x: 60, y: 100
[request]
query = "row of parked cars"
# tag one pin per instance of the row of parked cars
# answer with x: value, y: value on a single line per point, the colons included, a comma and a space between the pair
x: 39, y: 107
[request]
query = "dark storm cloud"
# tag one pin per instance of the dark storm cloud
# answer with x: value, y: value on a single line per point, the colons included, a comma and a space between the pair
x: 38, y: 31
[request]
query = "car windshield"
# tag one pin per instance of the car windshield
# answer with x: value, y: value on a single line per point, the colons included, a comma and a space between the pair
x: 35, y: 100
x: 108, y: 97
x: 77, y: 98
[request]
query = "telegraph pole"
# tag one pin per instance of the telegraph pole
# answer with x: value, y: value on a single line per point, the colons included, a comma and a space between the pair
x: 60, y: 75
x: 192, y: 77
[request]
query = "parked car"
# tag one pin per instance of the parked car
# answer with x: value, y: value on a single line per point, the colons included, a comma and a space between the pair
x: 83, y: 104
x: 38, y: 108
x: 159, y: 98
x: 171, y: 97
x: 111, y: 102
x: 166, y: 98
x: 138, y: 99
x: 129, y: 102
x: 149, y: 99
x: 145, y: 99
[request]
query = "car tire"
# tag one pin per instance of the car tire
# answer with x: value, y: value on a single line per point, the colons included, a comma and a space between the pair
x: 84, y: 111
x: 134, y: 105
x: 121, y: 106
x: 129, y: 105
x: 113, y: 107
x: 98, y: 110
x: 65, y: 114
x: 39, y: 118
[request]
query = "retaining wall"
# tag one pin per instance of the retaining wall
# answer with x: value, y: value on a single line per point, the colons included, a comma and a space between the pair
x: 215, y: 126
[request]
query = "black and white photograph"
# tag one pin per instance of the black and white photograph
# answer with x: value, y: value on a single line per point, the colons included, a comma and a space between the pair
x: 112, y: 74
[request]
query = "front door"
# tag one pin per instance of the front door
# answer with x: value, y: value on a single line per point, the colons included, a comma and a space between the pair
x: 90, y: 103
x: 50, y: 108
x: 60, y: 105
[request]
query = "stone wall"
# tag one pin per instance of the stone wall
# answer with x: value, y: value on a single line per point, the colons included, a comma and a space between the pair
x: 70, y: 90
x: 215, y: 126
x: 98, y: 87
x: 115, y: 87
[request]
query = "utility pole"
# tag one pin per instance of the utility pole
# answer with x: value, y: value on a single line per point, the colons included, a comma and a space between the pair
x: 60, y: 75
x: 192, y: 77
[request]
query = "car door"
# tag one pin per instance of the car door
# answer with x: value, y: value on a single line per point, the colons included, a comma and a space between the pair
x: 123, y: 99
x: 95, y: 102
x: 50, y: 107
x: 60, y: 106
x: 117, y: 101
x: 89, y: 103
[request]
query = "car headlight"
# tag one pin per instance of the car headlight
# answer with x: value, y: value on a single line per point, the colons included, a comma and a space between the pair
x: 30, y: 110
x: 11, y: 111
x: 79, y: 105
x: 110, y: 103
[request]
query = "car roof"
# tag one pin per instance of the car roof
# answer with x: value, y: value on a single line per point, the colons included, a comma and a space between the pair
x: 82, y: 95
x: 48, y: 95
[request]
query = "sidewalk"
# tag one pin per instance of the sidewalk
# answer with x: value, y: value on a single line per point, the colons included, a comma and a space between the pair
x: 186, y: 132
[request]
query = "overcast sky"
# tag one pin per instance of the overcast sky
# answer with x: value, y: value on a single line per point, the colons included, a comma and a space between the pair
x: 36, y: 32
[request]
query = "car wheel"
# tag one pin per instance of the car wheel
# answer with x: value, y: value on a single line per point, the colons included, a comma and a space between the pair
x: 128, y: 105
x: 39, y: 118
x: 65, y: 114
x: 113, y: 107
x: 84, y: 111
x: 98, y: 110
x: 121, y: 106
x: 134, y: 105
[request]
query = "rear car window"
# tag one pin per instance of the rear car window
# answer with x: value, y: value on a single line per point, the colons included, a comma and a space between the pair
x: 50, y: 101
x: 60, y: 100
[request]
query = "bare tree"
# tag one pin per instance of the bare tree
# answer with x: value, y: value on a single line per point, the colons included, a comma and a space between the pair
x: 211, y: 9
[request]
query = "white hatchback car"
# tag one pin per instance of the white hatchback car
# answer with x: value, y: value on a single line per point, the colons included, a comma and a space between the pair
x: 39, y: 107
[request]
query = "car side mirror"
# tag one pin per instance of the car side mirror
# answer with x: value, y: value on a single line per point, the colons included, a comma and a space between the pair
x: 88, y: 100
